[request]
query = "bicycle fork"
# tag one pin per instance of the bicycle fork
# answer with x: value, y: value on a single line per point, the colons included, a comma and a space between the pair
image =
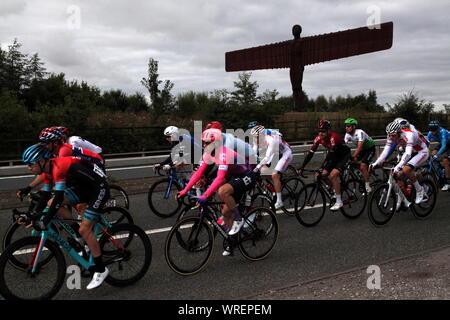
x: 393, y: 185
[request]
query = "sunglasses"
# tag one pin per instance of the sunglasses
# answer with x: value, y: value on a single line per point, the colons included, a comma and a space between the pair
x: 348, y: 125
x: 322, y: 130
x: 32, y: 164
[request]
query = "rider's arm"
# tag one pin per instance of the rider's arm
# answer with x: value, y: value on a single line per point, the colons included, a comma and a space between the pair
x: 310, y: 153
x: 196, y: 176
x: 387, y: 151
x: 443, y: 144
x: 218, y: 181
x: 358, y: 149
x: 271, y: 149
x: 46, y: 193
x: 406, y: 156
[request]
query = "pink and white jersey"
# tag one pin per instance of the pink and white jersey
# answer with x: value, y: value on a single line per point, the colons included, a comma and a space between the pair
x: 230, y: 164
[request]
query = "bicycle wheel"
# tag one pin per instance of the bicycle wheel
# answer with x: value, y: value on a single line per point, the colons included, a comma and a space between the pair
x: 117, y: 215
x: 354, y: 197
x: 258, y: 234
x: 262, y: 200
x: 15, y: 232
x: 381, y: 208
x: 290, y: 172
x: 424, y: 209
x: 189, y: 246
x: 161, y: 198
x: 117, y: 197
x: 310, y: 205
x: 214, y: 212
x: 127, y: 252
x: 289, y: 192
x: 22, y: 284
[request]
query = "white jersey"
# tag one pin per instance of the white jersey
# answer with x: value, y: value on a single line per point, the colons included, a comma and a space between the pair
x: 412, y: 141
x: 81, y: 143
x: 273, y: 143
x: 357, y: 136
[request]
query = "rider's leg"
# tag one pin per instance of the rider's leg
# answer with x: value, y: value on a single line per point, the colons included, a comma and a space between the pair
x: 334, y: 179
x: 276, y: 178
x: 62, y: 212
x: 229, y: 209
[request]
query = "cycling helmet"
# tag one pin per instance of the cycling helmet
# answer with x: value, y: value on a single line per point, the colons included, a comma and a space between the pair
x: 211, y: 135
x: 324, y: 125
x: 393, y: 127
x: 257, y: 130
x: 433, y: 125
x: 35, y: 153
x: 64, y: 131
x: 50, y: 135
x: 252, y: 124
x: 171, y: 131
x: 403, y: 122
x: 214, y: 125
x: 351, y: 121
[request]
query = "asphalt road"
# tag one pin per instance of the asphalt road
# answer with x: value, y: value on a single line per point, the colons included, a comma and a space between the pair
x: 301, y: 254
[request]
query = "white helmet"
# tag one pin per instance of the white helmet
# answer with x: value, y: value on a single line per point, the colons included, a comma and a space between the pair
x: 171, y: 131
x: 393, y: 127
x: 257, y: 130
x: 402, y: 122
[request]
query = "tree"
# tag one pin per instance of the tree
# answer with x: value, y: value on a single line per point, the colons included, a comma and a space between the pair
x: 13, y: 73
x: 410, y: 107
x: 162, y: 101
x: 246, y: 91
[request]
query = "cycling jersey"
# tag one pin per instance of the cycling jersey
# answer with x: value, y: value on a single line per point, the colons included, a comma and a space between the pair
x: 359, y: 136
x: 412, y: 142
x: 443, y: 137
x: 230, y: 164
x: 239, y: 146
x: 333, y: 143
x: 81, y: 143
x: 68, y: 150
x: 274, y: 144
x: 73, y: 172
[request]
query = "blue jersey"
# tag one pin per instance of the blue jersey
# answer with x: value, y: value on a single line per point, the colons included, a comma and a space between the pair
x: 443, y: 137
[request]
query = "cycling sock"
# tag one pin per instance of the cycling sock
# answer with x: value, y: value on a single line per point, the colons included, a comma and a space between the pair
x: 367, y: 184
x: 279, y: 198
x: 338, y: 198
x: 99, y: 266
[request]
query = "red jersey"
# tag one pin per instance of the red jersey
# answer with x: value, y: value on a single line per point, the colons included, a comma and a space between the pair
x: 332, y: 142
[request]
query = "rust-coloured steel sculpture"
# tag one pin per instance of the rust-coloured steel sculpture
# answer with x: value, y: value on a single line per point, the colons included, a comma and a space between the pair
x: 299, y: 52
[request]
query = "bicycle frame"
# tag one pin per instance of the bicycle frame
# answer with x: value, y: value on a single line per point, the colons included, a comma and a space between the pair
x: 392, y: 183
x: 173, y: 176
x: 99, y: 228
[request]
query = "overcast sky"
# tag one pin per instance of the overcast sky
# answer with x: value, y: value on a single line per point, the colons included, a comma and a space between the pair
x: 108, y: 43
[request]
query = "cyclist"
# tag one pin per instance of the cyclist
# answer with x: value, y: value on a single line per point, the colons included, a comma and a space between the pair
x: 78, y: 142
x: 273, y: 144
x: 365, y: 148
x: 52, y: 137
x: 184, y: 150
x: 337, y: 159
x: 441, y: 135
x: 87, y: 184
x: 416, y: 153
x: 234, y: 178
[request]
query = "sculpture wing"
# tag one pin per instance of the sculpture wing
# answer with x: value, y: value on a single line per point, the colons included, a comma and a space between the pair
x: 314, y: 49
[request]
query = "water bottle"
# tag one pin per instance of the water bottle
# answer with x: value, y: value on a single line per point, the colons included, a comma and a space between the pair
x: 408, y: 190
